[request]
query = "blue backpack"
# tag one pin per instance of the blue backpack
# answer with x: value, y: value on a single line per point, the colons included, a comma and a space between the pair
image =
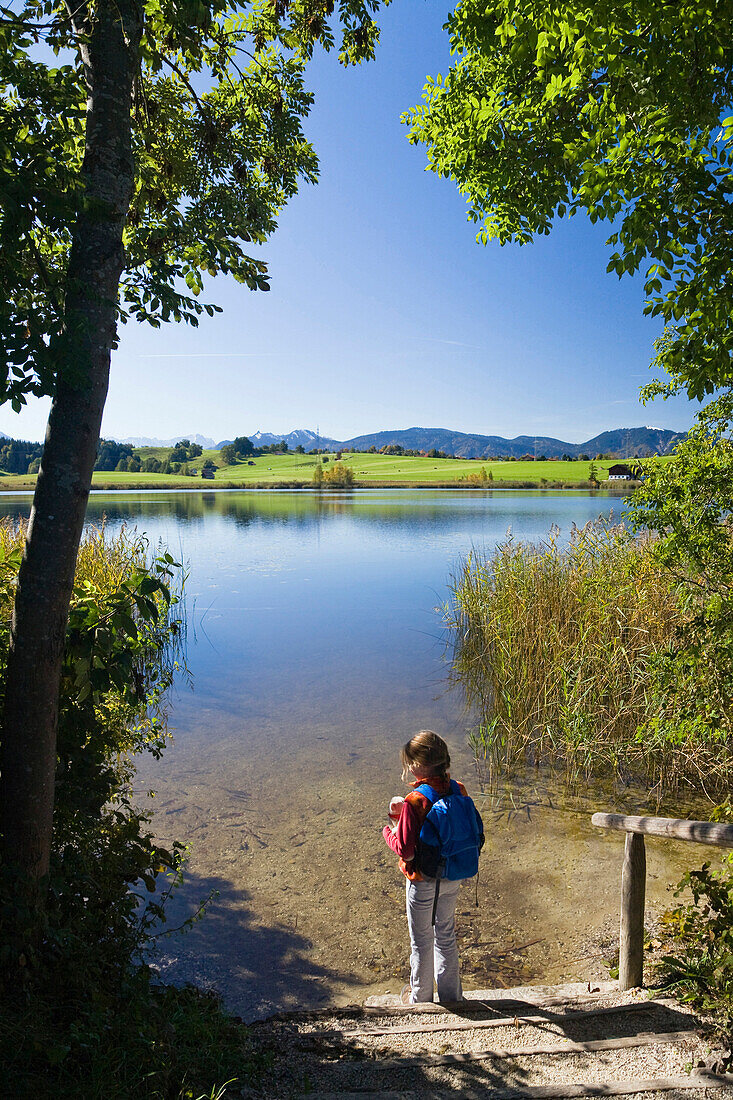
x: 451, y: 837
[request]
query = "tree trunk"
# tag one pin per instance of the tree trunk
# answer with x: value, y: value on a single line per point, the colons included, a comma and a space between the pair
x: 46, y: 575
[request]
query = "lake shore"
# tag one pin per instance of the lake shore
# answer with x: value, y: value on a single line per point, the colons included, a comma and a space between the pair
x: 152, y: 482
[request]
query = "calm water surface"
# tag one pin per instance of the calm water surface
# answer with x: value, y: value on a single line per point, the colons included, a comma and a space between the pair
x: 316, y: 649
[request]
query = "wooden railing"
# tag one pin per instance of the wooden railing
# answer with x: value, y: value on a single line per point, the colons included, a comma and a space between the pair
x: 633, y: 876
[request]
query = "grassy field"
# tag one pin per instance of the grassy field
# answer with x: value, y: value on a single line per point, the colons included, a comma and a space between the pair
x: 369, y: 469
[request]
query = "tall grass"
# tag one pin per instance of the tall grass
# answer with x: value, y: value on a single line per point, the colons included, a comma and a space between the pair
x: 555, y: 646
x: 104, y: 559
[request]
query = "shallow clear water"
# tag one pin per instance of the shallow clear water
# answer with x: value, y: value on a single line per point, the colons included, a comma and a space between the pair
x: 317, y: 648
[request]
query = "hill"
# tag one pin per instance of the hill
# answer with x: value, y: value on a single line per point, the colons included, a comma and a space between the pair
x: 634, y: 442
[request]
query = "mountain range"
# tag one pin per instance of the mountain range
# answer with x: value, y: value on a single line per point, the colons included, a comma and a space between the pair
x: 301, y: 437
x: 622, y: 442
x: 148, y: 441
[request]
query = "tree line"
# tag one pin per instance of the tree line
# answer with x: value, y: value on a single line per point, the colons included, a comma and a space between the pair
x: 19, y: 456
x: 121, y: 457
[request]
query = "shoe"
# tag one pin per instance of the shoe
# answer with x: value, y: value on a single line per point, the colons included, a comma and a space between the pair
x: 405, y: 994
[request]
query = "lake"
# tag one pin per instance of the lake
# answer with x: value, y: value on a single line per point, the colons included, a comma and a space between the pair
x: 316, y: 648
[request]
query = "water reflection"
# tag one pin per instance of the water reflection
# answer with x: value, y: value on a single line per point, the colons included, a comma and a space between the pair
x: 531, y: 512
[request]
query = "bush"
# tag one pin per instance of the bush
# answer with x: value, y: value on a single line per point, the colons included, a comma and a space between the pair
x: 339, y: 476
x: 699, y: 969
x: 481, y: 478
x: 154, y: 1042
x: 119, y: 661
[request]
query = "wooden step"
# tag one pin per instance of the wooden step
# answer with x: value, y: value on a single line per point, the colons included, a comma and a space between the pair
x: 643, y: 1039
x: 458, y: 1023
x: 699, y: 1080
x: 565, y: 992
x: 503, y: 1000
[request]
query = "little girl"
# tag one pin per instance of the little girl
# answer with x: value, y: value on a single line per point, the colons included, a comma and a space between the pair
x: 433, y: 949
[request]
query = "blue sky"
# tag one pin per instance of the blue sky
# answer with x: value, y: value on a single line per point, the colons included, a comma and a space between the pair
x: 384, y: 312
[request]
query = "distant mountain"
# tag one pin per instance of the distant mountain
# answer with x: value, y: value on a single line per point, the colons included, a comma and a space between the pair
x: 301, y: 437
x: 622, y: 442
x: 147, y: 441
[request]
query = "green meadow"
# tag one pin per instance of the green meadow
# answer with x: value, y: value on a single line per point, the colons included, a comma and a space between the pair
x: 369, y: 469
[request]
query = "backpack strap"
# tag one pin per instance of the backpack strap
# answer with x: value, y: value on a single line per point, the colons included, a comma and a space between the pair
x: 435, y: 899
x: 432, y: 796
x: 430, y: 792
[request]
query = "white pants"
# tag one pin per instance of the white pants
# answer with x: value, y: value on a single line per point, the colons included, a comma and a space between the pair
x: 433, y: 950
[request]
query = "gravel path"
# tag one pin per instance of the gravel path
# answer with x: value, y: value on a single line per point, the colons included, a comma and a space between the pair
x: 341, y: 1053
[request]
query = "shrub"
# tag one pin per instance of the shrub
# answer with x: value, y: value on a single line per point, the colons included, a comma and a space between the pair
x: 339, y: 476
x: 699, y: 969
x: 479, y: 478
x: 118, y: 665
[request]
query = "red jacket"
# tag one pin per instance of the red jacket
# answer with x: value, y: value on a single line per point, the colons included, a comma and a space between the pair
x: 415, y: 809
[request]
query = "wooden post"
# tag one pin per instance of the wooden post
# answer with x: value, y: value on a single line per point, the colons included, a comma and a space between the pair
x: 633, y: 877
x: 633, y: 890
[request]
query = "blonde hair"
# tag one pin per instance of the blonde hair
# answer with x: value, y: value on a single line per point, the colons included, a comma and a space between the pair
x: 428, y: 751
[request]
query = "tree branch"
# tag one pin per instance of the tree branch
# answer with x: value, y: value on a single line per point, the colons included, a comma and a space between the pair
x: 184, y: 80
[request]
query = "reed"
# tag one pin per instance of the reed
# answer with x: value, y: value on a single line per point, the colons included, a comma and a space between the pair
x: 104, y: 560
x: 555, y: 646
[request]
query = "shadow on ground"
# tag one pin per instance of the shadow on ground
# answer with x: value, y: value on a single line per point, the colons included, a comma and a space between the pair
x: 257, y: 969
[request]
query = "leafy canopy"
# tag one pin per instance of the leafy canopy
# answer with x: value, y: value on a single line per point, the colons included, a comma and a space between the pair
x: 218, y: 144
x: 616, y: 108
x: 622, y: 110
